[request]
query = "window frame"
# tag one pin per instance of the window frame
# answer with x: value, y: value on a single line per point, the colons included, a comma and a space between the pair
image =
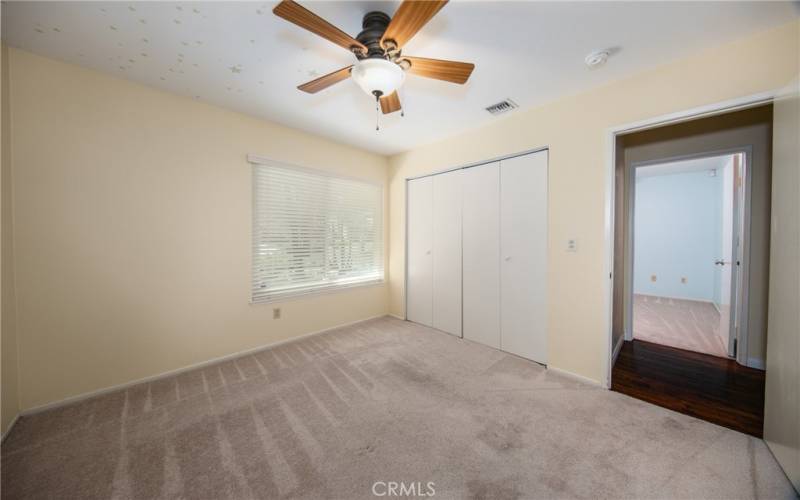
x: 326, y: 288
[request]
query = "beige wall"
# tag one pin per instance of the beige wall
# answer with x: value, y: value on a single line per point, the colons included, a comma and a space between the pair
x: 782, y: 398
x: 8, y: 328
x: 576, y: 130
x: 132, y: 213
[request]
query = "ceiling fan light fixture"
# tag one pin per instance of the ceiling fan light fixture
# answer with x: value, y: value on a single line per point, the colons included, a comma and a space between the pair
x: 378, y: 77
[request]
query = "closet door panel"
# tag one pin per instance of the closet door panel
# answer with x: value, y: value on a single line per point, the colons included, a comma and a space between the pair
x: 523, y: 246
x: 419, y: 289
x: 447, y: 252
x: 481, y: 254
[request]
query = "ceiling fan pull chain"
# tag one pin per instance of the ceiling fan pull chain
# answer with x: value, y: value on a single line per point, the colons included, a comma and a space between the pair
x: 377, y: 112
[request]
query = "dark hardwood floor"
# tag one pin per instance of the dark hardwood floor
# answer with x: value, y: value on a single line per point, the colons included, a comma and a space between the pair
x: 715, y: 389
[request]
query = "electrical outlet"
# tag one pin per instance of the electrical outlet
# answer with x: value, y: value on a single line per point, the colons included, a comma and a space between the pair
x: 653, y: 278
x: 684, y: 280
x: 276, y: 313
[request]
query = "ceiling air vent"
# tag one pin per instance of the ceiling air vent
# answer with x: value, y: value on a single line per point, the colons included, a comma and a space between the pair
x: 502, y: 107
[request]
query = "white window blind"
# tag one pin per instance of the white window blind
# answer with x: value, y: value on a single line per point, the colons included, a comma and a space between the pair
x: 313, y: 232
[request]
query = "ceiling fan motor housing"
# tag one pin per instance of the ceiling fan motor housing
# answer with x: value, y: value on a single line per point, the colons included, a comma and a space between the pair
x: 374, y: 26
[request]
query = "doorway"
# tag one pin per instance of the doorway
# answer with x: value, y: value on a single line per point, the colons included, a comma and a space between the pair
x: 687, y: 218
x: 691, y: 265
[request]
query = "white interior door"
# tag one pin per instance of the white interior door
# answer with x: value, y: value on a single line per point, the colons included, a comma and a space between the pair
x: 481, y: 254
x: 523, y: 246
x: 419, y: 302
x: 725, y: 264
x: 447, y: 252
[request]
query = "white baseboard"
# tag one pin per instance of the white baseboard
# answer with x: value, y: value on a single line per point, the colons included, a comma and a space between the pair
x: 723, y: 340
x: 627, y: 334
x: 575, y: 376
x: 617, y: 349
x: 756, y: 363
x: 171, y: 373
x: 10, y: 426
x: 396, y: 316
x: 705, y: 301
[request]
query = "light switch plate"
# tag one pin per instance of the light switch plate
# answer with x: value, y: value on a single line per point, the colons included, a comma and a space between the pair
x: 572, y: 245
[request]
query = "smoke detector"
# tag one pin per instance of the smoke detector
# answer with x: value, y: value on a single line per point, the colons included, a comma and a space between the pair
x: 596, y: 58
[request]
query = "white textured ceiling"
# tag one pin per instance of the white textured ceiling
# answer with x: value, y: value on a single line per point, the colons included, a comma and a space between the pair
x: 240, y: 56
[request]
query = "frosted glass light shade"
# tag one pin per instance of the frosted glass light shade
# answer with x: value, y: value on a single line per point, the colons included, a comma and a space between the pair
x: 378, y: 75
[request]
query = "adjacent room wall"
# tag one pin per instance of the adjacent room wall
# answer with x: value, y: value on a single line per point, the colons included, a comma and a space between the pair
x: 8, y: 328
x: 576, y: 129
x: 132, y: 211
x: 677, y: 235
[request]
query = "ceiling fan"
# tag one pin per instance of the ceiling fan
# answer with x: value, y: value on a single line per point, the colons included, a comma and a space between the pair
x: 381, y: 66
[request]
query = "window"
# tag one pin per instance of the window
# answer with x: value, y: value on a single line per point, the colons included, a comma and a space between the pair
x: 313, y: 231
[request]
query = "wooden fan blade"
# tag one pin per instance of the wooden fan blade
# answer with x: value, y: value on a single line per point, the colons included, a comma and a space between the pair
x: 450, y: 71
x: 326, y: 81
x: 299, y: 15
x: 390, y: 103
x: 410, y: 17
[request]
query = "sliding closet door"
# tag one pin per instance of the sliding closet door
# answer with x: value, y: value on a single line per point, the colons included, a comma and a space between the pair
x: 419, y: 302
x: 523, y: 246
x: 447, y: 252
x: 481, y: 254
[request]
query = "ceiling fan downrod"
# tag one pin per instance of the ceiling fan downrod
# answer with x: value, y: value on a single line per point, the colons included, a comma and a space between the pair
x: 374, y: 26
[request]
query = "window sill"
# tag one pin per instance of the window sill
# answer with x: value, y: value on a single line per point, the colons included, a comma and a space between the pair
x: 286, y: 296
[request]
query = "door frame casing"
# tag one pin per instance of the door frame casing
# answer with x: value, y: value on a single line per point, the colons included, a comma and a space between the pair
x: 736, y: 104
x: 740, y: 273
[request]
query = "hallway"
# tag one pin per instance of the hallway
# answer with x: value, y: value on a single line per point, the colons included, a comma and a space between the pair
x: 707, y: 387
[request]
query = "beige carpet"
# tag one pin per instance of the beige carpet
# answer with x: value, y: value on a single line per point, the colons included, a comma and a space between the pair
x: 685, y: 324
x: 386, y: 400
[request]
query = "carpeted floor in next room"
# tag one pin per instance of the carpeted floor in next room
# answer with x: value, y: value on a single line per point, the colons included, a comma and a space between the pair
x: 384, y: 400
x: 686, y: 324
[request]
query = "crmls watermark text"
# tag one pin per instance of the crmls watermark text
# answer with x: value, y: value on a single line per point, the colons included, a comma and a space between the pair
x: 401, y: 489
